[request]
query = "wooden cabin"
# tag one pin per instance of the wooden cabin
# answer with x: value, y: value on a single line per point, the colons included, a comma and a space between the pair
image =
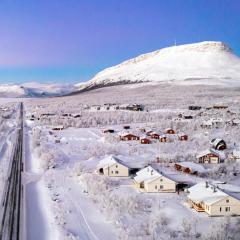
x: 129, y: 137
x: 148, y: 133
x: 208, y: 156
x: 162, y: 138
x: 189, y: 167
x: 220, y: 107
x: 169, y: 131
x: 145, y: 141
x: 188, y: 117
x: 194, y: 108
x: 183, y: 137
x: 108, y: 131
x: 154, y: 135
x: 58, y: 128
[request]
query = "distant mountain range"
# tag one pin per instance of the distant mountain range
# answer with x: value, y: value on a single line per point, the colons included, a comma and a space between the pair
x: 211, y: 63
x: 35, y: 90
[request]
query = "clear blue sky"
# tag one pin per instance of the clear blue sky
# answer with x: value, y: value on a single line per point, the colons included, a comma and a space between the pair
x: 71, y: 40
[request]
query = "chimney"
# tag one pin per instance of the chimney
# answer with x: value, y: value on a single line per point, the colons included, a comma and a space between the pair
x: 207, y: 184
x: 214, y: 189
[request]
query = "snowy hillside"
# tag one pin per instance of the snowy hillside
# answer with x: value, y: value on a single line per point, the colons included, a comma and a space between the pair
x: 35, y: 90
x: 11, y: 90
x: 204, y: 62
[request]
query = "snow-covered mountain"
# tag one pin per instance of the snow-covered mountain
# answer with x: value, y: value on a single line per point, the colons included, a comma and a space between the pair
x: 198, y: 63
x: 35, y: 90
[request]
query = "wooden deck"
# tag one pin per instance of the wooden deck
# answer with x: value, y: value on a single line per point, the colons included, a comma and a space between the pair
x: 197, y: 207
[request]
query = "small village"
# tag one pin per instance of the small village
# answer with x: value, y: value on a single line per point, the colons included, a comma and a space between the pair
x: 186, y: 159
x: 153, y: 179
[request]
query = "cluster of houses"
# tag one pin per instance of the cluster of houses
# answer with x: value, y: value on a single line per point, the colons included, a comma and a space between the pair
x: 33, y: 117
x: 203, y: 197
x: 213, y: 120
x: 219, y: 122
x: 146, y: 137
x: 113, y: 107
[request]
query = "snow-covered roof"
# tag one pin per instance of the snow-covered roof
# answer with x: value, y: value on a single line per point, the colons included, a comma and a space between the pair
x: 230, y: 188
x: 200, y: 193
x: 193, y: 166
x: 58, y: 126
x: 144, y: 137
x: 203, y: 153
x: 146, y: 174
x: 125, y: 133
x: 167, y: 129
x: 221, y: 155
x: 182, y: 134
x: 163, y: 136
x: 216, y: 141
x: 152, y: 133
x: 109, y: 161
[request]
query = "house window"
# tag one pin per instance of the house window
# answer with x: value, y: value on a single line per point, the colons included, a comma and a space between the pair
x: 227, y: 200
x: 111, y: 171
x: 220, y: 209
x: 116, y: 172
x: 227, y: 209
x: 155, y: 186
x: 161, y: 180
x: 161, y: 186
x: 116, y: 166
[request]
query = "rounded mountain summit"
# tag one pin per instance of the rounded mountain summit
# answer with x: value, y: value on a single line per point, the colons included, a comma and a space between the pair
x: 208, y: 62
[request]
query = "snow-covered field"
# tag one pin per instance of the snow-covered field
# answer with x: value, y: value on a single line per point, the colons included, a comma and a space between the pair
x: 73, y: 202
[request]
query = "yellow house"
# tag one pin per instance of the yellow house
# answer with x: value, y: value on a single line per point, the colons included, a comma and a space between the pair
x: 150, y: 180
x: 113, y: 167
x: 205, y: 197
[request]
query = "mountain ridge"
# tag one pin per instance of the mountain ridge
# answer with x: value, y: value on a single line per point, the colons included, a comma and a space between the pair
x: 204, y: 60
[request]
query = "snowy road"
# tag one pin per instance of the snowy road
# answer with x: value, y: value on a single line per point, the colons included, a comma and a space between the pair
x: 10, y: 213
x: 38, y: 224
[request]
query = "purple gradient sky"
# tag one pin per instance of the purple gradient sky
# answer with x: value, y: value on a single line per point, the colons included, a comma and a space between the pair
x: 71, y: 40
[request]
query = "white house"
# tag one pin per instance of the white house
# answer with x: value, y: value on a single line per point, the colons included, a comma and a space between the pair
x: 151, y: 180
x: 113, y: 167
x: 205, y: 197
